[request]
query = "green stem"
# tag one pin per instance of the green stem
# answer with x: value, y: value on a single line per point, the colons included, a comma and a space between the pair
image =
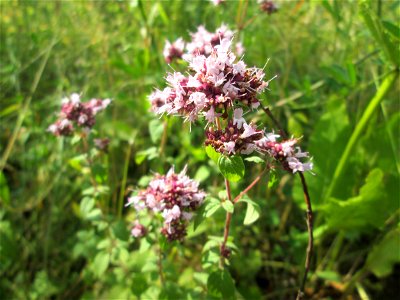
x: 124, y: 178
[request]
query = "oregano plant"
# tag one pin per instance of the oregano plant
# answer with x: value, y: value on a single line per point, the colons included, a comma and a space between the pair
x: 221, y: 90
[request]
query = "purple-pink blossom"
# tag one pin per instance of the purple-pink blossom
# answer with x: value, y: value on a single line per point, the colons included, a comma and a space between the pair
x: 74, y: 112
x: 215, y: 82
x: 175, y: 197
x: 138, y: 230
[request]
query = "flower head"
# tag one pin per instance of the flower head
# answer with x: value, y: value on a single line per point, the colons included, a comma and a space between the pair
x: 173, y: 50
x: 138, y: 230
x: 74, y: 111
x: 175, y: 197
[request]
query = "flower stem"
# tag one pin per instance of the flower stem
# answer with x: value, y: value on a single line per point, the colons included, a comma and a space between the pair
x: 250, y: 186
x: 310, y: 245
x: 227, y: 226
x: 86, y: 150
x: 275, y: 121
x: 309, y: 219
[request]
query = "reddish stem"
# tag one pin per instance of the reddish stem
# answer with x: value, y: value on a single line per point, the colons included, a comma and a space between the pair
x: 309, y: 219
x: 227, y: 226
x: 250, y: 186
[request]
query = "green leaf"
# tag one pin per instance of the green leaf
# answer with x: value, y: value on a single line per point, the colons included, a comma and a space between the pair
x: 255, y: 159
x: 220, y: 285
x: 211, y: 207
x: 77, y: 162
x: 391, y: 28
x: 211, y: 153
x: 231, y: 167
x: 206, y: 210
x: 210, y: 259
x: 100, y: 263
x: 382, y: 37
x: 273, y: 179
x: 210, y: 244
x: 228, y: 206
x: 120, y: 230
x: 88, y: 211
x: 252, y: 212
x: 156, y: 129
x: 384, y: 255
x: 149, y: 153
x: 368, y: 209
x: 86, y: 205
x: 139, y: 284
x: 329, y: 275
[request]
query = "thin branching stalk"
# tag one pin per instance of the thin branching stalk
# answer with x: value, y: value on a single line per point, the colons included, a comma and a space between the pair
x: 227, y: 225
x: 86, y: 150
x: 250, y: 186
x: 309, y: 219
x: 275, y: 121
x: 310, y: 235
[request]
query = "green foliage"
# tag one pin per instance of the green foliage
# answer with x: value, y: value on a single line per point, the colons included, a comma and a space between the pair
x: 255, y: 159
x: 228, y: 206
x: 384, y: 255
x: 368, y: 209
x: 252, y: 212
x: 231, y: 167
x: 220, y: 285
x: 211, y: 153
x: 381, y: 33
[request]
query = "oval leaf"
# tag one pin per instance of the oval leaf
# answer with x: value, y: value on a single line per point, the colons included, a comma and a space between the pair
x: 211, y: 153
x: 231, y: 167
x: 252, y: 211
x: 220, y: 285
x: 228, y: 206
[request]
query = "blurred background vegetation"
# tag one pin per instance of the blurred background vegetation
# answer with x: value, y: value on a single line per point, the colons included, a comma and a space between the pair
x: 338, y: 88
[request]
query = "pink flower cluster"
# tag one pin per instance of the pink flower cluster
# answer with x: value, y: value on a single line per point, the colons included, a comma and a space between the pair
x: 238, y: 137
x: 202, y: 43
x: 219, y: 88
x: 216, y: 82
x: 285, y: 152
x: 138, y: 230
x: 74, y: 111
x: 175, y: 197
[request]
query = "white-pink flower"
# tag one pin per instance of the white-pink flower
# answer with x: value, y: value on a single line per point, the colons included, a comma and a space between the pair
x: 230, y: 147
x: 249, y: 130
x: 171, y: 214
x: 238, y: 119
x: 211, y: 115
